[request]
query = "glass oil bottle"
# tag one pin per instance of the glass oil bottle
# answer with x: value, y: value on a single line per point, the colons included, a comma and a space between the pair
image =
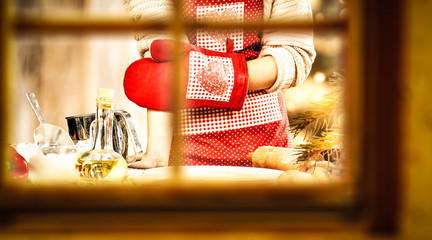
x: 102, y: 163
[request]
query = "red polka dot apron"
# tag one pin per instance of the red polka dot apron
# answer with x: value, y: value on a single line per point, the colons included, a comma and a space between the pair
x: 223, y: 137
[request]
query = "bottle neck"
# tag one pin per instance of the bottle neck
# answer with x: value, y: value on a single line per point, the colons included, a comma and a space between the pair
x: 104, y: 125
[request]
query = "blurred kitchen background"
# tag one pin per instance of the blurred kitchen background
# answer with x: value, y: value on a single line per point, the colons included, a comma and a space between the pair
x: 65, y: 70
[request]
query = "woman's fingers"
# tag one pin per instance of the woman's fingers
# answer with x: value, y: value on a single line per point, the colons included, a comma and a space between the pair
x: 144, y: 163
x: 137, y: 157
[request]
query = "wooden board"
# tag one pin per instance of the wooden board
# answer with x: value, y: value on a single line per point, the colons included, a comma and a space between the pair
x: 217, y: 174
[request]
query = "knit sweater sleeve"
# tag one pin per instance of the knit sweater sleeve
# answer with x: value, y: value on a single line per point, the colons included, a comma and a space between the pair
x: 150, y: 11
x: 293, y: 50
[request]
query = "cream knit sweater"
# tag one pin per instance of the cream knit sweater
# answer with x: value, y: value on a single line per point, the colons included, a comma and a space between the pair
x: 292, y: 49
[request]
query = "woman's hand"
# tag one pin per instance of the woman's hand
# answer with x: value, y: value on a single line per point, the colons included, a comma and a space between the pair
x: 159, y: 136
x: 146, y: 161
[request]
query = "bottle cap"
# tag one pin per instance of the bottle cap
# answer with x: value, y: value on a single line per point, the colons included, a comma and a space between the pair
x: 106, y: 93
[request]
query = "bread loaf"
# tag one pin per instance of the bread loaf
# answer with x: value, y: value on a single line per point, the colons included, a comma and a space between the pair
x: 321, y: 164
x: 275, y: 158
x: 293, y: 177
x: 284, y: 159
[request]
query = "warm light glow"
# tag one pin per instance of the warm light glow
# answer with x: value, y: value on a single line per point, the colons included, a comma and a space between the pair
x: 317, y: 96
x: 319, y: 77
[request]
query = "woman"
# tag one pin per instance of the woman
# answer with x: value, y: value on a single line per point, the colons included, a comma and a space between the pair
x: 275, y: 59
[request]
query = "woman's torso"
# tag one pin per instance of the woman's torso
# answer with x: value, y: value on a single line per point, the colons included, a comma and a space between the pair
x: 222, y: 137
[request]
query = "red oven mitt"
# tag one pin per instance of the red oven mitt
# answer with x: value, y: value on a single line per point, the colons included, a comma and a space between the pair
x: 210, y: 79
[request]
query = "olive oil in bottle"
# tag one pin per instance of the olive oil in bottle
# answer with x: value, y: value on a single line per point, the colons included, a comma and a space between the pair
x: 102, y: 163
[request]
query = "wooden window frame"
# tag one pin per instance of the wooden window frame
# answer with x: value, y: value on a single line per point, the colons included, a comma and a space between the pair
x: 375, y: 74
